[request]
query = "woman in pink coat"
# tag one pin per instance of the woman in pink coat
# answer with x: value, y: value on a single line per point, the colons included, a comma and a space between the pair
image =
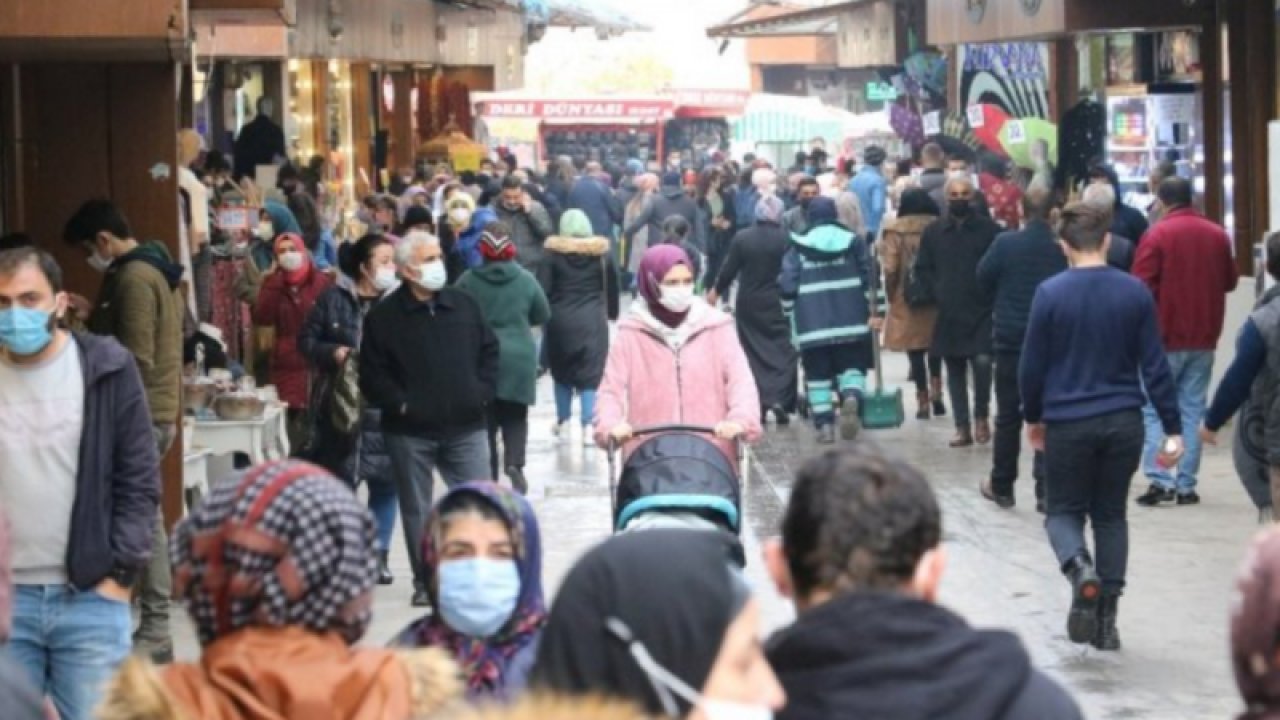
x: 676, y: 360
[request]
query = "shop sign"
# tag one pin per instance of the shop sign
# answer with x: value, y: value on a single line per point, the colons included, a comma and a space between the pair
x: 1015, y: 61
x: 881, y: 92
x: 976, y: 9
x: 580, y: 109
x: 734, y: 101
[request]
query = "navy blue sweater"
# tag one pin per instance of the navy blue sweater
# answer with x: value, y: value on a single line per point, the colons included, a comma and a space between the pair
x: 1012, y: 269
x: 1092, y: 341
x: 1251, y: 356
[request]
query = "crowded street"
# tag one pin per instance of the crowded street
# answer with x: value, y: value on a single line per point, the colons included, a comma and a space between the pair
x: 603, y: 360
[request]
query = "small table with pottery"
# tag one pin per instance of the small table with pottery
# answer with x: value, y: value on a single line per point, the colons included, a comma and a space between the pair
x: 265, y: 438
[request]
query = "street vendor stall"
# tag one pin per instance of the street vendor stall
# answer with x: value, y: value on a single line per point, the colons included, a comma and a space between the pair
x: 776, y: 127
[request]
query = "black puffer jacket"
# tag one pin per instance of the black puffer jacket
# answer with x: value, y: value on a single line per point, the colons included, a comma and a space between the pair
x: 884, y: 656
x: 335, y: 322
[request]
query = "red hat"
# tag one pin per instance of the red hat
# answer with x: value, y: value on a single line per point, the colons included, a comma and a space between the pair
x: 496, y: 248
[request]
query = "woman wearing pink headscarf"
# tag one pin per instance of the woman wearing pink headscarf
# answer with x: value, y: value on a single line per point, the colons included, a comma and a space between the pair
x: 676, y: 360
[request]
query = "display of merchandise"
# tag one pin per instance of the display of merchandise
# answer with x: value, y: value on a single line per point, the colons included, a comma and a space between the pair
x: 608, y: 146
x: 696, y: 139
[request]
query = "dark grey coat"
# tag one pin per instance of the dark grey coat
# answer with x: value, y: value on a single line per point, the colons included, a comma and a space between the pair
x: 950, y: 251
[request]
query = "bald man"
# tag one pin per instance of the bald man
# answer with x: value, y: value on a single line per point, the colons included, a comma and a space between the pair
x: 950, y: 251
x: 1010, y: 272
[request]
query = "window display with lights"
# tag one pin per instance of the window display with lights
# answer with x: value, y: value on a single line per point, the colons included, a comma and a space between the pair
x: 320, y: 134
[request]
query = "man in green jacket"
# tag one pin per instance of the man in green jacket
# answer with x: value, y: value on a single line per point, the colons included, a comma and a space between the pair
x: 140, y: 305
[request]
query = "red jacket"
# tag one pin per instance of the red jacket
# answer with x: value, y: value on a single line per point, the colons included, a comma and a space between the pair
x: 1186, y: 261
x: 285, y: 309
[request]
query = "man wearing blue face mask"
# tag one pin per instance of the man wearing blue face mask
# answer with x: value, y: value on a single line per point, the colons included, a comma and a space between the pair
x: 429, y: 362
x: 80, y: 478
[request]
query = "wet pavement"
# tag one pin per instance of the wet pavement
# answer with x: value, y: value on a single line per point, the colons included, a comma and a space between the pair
x: 1173, y: 618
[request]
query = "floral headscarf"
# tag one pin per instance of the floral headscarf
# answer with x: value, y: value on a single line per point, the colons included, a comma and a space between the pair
x: 484, y: 661
x: 283, y: 544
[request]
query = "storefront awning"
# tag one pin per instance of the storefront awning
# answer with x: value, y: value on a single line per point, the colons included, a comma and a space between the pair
x: 789, y: 119
x: 593, y: 14
x: 783, y: 20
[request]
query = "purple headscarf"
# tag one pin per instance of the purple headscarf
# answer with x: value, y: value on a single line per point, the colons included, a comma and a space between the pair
x: 484, y: 661
x: 656, y: 263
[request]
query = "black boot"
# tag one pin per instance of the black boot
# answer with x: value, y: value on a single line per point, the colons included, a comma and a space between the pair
x: 1082, y: 619
x: 420, y: 597
x: 384, y: 571
x: 1107, y: 636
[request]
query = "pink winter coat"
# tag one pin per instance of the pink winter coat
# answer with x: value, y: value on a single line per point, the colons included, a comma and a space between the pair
x: 705, y: 382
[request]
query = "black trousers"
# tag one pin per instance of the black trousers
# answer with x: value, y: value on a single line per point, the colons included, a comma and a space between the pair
x: 920, y: 374
x: 958, y: 387
x: 1008, y: 434
x: 829, y: 361
x: 1090, y: 464
x: 512, y: 420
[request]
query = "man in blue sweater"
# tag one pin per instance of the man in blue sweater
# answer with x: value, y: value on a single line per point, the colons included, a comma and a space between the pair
x: 1011, y: 271
x: 1092, y: 341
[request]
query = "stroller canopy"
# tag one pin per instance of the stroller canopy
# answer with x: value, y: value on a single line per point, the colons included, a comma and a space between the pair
x: 679, y: 471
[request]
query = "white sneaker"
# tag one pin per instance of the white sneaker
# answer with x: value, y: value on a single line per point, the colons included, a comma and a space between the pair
x: 588, y: 439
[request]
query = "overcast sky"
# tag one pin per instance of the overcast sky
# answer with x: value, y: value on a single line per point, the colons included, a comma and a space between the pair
x: 678, y: 39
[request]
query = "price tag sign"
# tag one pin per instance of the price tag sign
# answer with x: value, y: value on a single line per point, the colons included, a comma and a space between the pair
x: 1017, y: 132
x: 976, y: 117
x: 237, y: 217
x: 933, y: 123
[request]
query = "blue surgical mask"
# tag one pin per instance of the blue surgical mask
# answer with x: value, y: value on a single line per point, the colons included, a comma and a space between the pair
x: 25, y: 331
x: 478, y: 595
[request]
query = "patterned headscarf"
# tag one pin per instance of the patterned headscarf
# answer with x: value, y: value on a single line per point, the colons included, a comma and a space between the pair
x: 484, y: 660
x: 282, y: 544
x: 769, y: 209
x: 1255, y: 628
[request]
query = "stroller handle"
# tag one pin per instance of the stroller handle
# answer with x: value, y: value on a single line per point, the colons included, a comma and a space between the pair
x: 613, y: 444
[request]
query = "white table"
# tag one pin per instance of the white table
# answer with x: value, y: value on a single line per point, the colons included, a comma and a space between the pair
x: 264, y: 439
x: 195, y: 476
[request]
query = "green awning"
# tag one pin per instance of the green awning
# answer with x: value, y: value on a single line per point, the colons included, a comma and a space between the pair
x: 786, y: 119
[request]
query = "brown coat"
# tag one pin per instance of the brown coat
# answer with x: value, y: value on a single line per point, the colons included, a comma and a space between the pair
x: 906, y: 328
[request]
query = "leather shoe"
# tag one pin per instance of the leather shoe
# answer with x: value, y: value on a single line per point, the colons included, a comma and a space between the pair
x: 982, y: 431
x: 988, y: 491
x: 1086, y: 589
x: 420, y: 598
x: 963, y: 438
x: 1155, y: 495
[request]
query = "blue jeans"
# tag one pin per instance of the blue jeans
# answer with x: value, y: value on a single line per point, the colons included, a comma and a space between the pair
x: 564, y: 404
x: 384, y: 502
x: 459, y: 458
x: 70, y: 642
x: 1191, y: 371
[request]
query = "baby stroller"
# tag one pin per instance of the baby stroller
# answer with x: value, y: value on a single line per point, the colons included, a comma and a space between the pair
x: 678, y: 478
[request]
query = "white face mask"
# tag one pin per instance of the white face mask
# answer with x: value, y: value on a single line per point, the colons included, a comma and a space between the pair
x: 677, y: 298
x: 726, y: 710
x: 291, y: 260
x: 384, y: 278
x: 264, y: 231
x: 432, y: 275
x: 459, y: 217
x: 99, y: 263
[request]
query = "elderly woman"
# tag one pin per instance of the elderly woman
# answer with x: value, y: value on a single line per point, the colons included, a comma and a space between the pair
x: 482, y: 554
x: 676, y: 359
x: 277, y: 570
x: 754, y: 262
x: 513, y: 304
x: 288, y: 293
x: 620, y: 601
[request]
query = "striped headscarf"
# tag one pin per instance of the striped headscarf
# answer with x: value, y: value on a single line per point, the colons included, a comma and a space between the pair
x: 282, y: 544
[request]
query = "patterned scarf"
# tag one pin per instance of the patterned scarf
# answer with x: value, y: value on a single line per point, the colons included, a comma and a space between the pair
x: 283, y: 544
x: 484, y: 661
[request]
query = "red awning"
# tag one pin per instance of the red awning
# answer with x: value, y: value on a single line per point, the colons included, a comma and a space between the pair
x: 585, y: 109
x: 710, y: 103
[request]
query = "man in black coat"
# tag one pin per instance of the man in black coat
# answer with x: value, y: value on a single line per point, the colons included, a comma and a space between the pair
x: 261, y: 141
x: 595, y: 200
x: 861, y: 558
x: 670, y: 200
x: 1010, y: 272
x: 429, y: 362
x: 950, y: 250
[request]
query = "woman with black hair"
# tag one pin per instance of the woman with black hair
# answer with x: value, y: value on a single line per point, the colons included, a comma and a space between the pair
x: 318, y: 239
x: 329, y: 340
x: 676, y: 231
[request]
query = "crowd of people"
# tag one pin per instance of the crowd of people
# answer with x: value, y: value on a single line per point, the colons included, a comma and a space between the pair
x: 414, y: 350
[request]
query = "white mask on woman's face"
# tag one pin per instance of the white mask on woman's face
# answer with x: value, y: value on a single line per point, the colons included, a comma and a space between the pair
x: 726, y: 710
x: 265, y: 231
x: 676, y: 298
x: 384, y: 278
x: 291, y: 260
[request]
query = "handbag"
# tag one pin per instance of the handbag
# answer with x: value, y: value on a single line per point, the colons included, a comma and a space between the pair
x: 917, y: 290
x: 344, y: 397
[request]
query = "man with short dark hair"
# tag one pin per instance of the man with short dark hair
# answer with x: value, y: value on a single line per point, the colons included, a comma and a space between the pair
x: 141, y: 306
x: 861, y: 557
x: 1186, y: 261
x: 529, y: 221
x: 796, y: 220
x: 80, y: 479
x: 1011, y: 271
x: 1091, y: 345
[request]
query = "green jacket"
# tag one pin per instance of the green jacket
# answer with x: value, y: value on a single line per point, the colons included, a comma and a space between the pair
x: 512, y: 303
x: 140, y: 306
